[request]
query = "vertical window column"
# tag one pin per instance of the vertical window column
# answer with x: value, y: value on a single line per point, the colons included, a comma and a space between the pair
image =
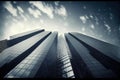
x: 64, y: 64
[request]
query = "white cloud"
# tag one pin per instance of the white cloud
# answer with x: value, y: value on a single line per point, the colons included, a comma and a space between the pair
x: 111, y: 16
x: 61, y: 11
x: 91, y: 16
x: 96, y: 20
x: 25, y: 19
x: 10, y: 8
x: 36, y: 13
x: 108, y: 27
x: 45, y: 8
x: 15, y: 20
x: 83, y: 29
x: 92, y: 26
x: 49, y: 9
x: 56, y: 3
x: 41, y: 21
x: 83, y: 19
x: 20, y: 9
x: 86, y: 17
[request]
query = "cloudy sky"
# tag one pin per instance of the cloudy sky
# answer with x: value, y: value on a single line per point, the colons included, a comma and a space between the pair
x: 100, y: 20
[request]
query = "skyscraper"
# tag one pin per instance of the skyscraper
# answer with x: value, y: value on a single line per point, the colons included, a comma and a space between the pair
x: 44, y: 54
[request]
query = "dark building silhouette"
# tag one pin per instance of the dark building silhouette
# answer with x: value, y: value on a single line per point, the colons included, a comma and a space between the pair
x: 3, y: 45
x: 44, y: 54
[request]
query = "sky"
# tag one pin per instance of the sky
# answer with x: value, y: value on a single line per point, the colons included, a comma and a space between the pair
x: 98, y: 19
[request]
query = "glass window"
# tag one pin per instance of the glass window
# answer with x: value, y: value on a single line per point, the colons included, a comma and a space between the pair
x: 31, y: 66
x: 66, y: 65
x: 26, y: 73
x: 68, y: 69
x: 26, y: 66
x: 67, y: 61
x: 63, y: 71
x: 19, y: 73
x: 22, y: 71
x: 64, y: 58
x: 36, y: 67
x: 15, y: 70
x: 11, y: 73
x: 69, y: 74
x: 10, y: 76
x: 29, y: 62
x: 33, y: 62
x: 33, y: 57
x: 36, y: 59
x: 29, y: 58
x: 72, y: 76
x: 25, y: 61
x: 64, y: 75
x: 20, y: 65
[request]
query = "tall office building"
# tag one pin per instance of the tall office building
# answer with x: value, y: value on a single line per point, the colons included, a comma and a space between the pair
x: 44, y: 54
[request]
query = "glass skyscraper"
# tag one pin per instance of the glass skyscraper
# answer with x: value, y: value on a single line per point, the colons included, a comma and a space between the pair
x: 44, y: 54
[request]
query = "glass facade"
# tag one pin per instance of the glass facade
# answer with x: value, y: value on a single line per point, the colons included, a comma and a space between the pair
x: 105, y: 53
x: 12, y: 52
x: 96, y: 68
x: 20, y: 37
x: 64, y: 64
x: 49, y: 55
x: 30, y: 65
x: 25, y: 33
